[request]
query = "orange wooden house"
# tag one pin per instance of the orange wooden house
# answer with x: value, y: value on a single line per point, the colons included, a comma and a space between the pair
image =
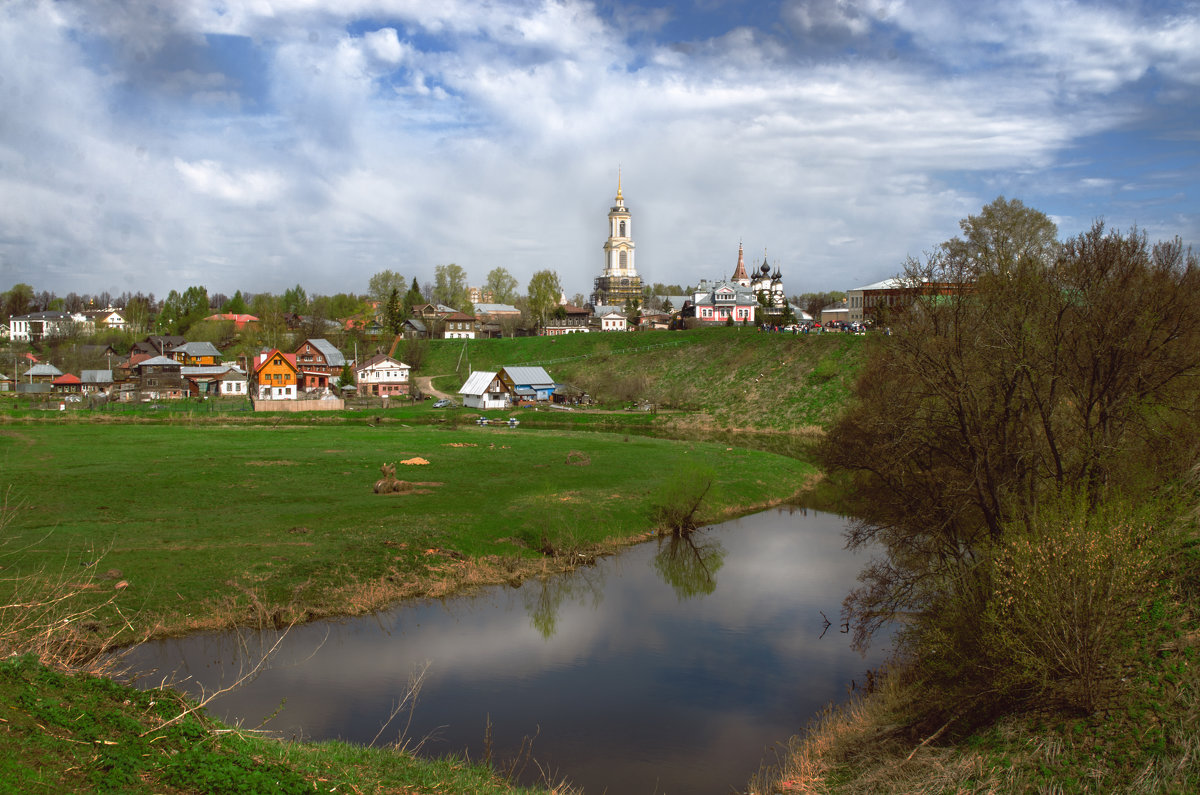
x: 276, y: 375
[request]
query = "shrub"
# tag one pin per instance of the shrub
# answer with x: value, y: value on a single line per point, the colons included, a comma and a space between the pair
x: 1067, y: 594
x: 678, y: 499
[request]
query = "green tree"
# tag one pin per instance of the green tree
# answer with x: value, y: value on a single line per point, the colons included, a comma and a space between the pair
x: 393, y: 313
x: 544, y: 292
x: 295, y: 300
x: 236, y: 305
x: 18, y: 300
x: 1004, y: 234
x: 413, y: 298
x: 450, y: 287
x: 181, y: 311
x: 381, y: 285
x: 502, y: 285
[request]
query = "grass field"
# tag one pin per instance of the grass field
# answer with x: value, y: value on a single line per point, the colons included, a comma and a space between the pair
x: 210, y: 525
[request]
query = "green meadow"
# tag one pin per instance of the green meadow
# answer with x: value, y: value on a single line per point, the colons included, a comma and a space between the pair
x: 175, y: 527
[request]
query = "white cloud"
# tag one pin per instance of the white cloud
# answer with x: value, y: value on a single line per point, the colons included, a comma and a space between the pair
x: 212, y: 179
x: 490, y: 135
x: 385, y: 45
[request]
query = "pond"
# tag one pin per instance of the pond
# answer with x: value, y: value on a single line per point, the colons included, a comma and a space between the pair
x: 673, y: 667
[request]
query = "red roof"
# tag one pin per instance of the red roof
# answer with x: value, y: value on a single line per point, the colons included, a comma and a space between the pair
x: 238, y: 320
x: 66, y: 378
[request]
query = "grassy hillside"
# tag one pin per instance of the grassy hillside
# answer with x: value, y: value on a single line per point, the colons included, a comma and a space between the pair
x: 727, y: 378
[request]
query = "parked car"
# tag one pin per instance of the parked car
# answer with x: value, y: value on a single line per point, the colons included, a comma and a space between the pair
x: 441, y: 404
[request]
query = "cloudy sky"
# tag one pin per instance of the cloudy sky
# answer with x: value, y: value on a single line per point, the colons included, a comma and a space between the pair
x: 259, y: 144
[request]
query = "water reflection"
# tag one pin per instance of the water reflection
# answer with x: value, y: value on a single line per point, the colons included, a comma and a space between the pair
x: 688, y: 562
x: 631, y: 681
x: 544, y: 597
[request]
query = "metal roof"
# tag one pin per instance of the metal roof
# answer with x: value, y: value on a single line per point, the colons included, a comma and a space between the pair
x: 197, y: 349
x: 42, y: 369
x: 96, y: 376
x: 477, y: 382
x: 532, y: 376
x: 333, y: 356
x: 158, y: 361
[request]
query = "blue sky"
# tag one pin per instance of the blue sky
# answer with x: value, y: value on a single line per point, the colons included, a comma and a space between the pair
x: 259, y: 144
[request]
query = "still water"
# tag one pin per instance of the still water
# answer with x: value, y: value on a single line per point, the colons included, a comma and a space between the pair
x: 669, y: 668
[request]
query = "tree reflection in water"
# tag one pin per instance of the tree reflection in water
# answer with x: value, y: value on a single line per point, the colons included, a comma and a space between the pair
x: 687, y: 565
x: 544, y: 601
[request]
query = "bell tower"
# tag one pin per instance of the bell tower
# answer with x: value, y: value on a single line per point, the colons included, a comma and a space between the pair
x: 620, y: 282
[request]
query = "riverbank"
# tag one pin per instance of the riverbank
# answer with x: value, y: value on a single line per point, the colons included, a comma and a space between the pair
x: 116, y: 533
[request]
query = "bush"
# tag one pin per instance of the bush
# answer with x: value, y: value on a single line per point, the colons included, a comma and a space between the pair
x: 1067, y: 594
x: 675, y: 505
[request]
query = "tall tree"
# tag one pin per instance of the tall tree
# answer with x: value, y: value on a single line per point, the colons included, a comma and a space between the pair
x: 502, y: 285
x: 412, y: 298
x: 295, y: 300
x: 450, y: 287
x: 18, y: 300
x: 381, y: 285
x: 181, y: 310
x: 393, y: 313
x: 544, y: 294
x: 236, y: 305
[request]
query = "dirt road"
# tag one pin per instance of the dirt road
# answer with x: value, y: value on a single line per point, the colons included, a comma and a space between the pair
x: 425, y: 384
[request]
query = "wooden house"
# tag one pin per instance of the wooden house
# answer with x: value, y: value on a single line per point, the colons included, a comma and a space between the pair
x: 156, y: 345
x: 528, y: 384
x: 276, y: 376
x: 320, y: 362
x: 460, y: 326
x: 96, y: 381
x: 66, y: 384
x: 41, y: 373
x: 196, y: 354
x: 159, y: 378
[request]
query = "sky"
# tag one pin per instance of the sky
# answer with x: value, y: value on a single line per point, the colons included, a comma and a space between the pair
x: 255, y: 145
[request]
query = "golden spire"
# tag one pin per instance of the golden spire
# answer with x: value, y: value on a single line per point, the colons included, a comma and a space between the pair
x: 620, y: 198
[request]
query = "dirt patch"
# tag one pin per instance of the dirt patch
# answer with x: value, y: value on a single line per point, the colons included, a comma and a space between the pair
x: 460, y: 444
x: 575, y: 458
x: 415, y: 462
x: 24, y: 439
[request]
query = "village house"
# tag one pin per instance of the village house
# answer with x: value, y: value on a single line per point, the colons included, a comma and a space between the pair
x: 96, y: 382
x: 66, y: 384
x: 527, y: 384
x: 196, y: 354
x: 568, y: 319
x: 156, y: 345
x: 159, y: 378
x: 276, y: 376
x: 382, y: 376
x: 460, y: 326
x: 613, y: 321
x: 214, y: 380
x: 319, y: 361
x: 485, y: 390
x: 41, y: 373
x: 110, y: 318
x: 233, y: 383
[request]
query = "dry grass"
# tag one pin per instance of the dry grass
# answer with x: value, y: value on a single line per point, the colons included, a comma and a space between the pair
x: 53, y: 613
